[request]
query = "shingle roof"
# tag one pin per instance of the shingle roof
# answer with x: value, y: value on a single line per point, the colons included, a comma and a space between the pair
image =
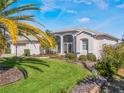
x: 22, y: 39
x: 86, y: 30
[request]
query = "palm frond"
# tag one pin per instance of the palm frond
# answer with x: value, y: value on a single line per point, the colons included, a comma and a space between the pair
x: 43, y: 42
x: 11, y: 28
x: 38, y: 32
x: 4, y: 4
x: 22, y: 17
x: 23, y: 70
x: 25, y: 18
x: 21, y: 8
x: 28, y: 39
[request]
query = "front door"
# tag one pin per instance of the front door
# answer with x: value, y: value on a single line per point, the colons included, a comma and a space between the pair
x: 68, y: 48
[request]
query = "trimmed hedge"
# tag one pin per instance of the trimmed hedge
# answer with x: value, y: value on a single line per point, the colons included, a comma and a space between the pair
x: 26, y: 52
x: 83, y: 58
x: 88, y: 57
x: 91, y: 57
x: 7, y: 51
x: 71, y: 56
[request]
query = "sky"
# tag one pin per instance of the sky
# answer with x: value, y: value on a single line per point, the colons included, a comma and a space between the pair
x: 100, y: 15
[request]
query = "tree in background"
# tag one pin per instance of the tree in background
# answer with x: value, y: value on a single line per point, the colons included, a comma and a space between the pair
x: 51, y: 34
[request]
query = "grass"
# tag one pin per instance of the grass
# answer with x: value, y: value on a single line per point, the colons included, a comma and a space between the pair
x: 53, y: 77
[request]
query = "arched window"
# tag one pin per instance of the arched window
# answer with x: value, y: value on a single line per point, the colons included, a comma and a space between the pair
x: 84, y: 44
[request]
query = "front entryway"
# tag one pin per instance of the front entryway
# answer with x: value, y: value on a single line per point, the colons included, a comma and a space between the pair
x: 64, y: 44
x: 68, y: 48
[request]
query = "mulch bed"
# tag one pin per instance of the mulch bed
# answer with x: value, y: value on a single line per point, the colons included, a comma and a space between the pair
x: 8, y: 76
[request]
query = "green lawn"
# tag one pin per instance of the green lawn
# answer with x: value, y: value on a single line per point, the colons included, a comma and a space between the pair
x: 53, y: 77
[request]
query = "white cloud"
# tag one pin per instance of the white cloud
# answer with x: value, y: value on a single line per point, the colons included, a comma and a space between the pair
x: 52, y: 4
x: 120, y: 6
x: 71, y: 11
x: 49, y: 5
x: 84, y: 20
x: 83, y: 1
x: 102, y: 4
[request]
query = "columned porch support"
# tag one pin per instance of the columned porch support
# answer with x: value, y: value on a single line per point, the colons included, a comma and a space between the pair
x: 61, y: 47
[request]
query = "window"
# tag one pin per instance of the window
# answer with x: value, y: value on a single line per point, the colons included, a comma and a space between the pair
x: 85, y: 44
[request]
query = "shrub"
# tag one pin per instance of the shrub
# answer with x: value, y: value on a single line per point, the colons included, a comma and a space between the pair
x: 56, y: 56
x: 106, y: 69
x: 53, y: 56
x: 71, y: 56
x: 7, y: 51
x: 91, y: 57
x: 61, y: 57
x: 83, y: 58
x: 26, y: 52
x: 112, y: 59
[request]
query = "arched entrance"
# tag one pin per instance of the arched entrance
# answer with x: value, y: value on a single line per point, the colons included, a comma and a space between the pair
x: 58, y: 44
x: 68, y: 43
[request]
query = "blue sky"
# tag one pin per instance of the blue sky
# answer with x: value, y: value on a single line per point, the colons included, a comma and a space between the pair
x: 101, y: 15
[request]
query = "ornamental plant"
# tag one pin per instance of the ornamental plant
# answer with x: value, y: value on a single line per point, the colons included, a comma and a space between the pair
x: 71, y: 56
x: 112, y: 59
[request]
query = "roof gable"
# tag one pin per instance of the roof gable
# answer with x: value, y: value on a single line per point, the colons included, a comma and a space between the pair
x: 85, y: 30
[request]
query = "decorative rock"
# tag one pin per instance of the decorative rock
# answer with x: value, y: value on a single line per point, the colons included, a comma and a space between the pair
x: 8, y: 76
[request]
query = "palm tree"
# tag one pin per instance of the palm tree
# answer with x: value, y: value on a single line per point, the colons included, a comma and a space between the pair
x: 13, y: 24
x: 51, y: 34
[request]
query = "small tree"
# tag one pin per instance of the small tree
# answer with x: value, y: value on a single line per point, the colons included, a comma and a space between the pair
x: 112, y: 59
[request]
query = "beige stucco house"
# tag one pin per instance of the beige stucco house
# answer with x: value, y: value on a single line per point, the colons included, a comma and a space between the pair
x: 79, y: 41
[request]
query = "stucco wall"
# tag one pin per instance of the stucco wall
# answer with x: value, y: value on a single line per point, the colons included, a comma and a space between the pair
x: 34, y: 49
x: 95, y: 45
x: 99, y: 42
x: 79, y: 49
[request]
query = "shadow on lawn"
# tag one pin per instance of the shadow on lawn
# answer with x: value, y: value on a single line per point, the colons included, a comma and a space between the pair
x: 19, y: 63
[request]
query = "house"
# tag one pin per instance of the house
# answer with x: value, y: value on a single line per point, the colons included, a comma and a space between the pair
x: 79, y: 41
x: 23, y: 43
x: 82, y: 41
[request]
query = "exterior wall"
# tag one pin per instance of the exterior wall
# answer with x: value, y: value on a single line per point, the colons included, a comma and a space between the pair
x: 34, y: 49
x: 95, y: 45
x: 79, y: 49
x: 99, y: 42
